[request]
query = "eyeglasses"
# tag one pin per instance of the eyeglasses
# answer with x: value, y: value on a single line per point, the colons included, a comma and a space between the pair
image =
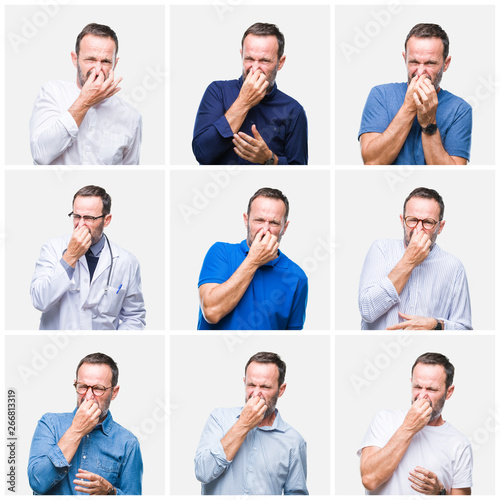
x: 428, y: 224
x: 86, y: 218
x: 97, y: 390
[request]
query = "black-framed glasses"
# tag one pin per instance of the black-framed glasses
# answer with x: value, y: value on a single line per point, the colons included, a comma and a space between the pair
x: 428, y: 224
x: 97, y: 390
x: 86, y: 218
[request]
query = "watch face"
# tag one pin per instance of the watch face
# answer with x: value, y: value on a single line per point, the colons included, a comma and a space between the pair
x: 430, y: 129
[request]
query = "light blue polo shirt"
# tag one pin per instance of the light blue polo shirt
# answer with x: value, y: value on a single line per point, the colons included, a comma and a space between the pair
x: 276, y: 298
x: 453, y: 118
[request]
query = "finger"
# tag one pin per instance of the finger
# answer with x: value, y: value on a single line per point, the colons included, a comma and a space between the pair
x: 405, y: 316
x: 246, y: 137
x: 243, y: 154
x: 397, y: 326
x: 416, y: 99
x: 426, y: 472
x: 90, y: 79
x: 255, y: 132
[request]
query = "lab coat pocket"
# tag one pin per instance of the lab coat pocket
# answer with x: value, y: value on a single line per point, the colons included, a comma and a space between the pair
x: 111, y: 301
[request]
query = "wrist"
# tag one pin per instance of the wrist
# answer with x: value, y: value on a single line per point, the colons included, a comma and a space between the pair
x: 112, y: 490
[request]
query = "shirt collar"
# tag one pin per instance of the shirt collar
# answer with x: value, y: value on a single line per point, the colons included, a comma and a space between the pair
x: 278, y: 261
x: 278, y: 424
x: 96, y: 249
x: 267, y: 96
x: 105, y: 426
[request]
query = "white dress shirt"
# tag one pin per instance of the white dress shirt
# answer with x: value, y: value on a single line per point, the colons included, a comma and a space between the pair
x: 437, y: 288
x: 110, y: 133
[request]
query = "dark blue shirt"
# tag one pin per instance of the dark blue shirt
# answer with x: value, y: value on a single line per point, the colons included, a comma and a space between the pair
x: 453, y: 118
x: 276, y: 298
x: 108, y: 450
x: 280, y: 120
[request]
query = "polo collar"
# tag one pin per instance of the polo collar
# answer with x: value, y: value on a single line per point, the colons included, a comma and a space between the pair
x: 279, y: 261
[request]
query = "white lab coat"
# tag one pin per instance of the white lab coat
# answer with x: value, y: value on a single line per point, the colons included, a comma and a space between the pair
x: 77, y: 304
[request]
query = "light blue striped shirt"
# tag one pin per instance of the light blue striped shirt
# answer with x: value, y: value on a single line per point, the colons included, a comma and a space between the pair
x: 437, y: 288
x: 271, y: 460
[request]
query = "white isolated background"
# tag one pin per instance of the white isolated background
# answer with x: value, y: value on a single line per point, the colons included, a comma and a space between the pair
x: 369, y: 41
x: 37, y: 204
x: 39, y: 41
x: 217, y: 381
x: 378, y: 378
x: 41, y: 368
x: 205, y: 45
x: 208, y: 206
x: 368, y: 205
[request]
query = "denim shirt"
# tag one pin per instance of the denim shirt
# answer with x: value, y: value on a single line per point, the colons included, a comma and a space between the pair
x: 108, y: 450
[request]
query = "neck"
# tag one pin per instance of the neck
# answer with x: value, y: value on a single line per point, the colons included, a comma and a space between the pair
x: 437, y: 422
x: 268, y: 421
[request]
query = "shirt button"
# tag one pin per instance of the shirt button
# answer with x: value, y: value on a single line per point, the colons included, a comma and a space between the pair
x: 84, y: 456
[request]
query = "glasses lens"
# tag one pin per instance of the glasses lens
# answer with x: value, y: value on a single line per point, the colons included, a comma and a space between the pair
x: 76, y: 217
x: 429, y: 224
x: 411, y: 221
x: 98, y: 390
x: 81, y: 388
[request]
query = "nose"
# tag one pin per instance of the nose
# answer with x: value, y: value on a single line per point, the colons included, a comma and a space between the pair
x: 80, y: 223
x: 419, y: 227
x: 89, y: 394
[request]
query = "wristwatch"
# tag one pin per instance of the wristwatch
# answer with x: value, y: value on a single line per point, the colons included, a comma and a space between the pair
x: 112, y: 491
x: 439, y: 326
x: 431, y: 129
x: 270, y: 161
x: 443, y: 491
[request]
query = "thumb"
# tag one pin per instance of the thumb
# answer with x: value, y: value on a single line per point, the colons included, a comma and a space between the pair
x: 405, y: 316
x: 255, y: 132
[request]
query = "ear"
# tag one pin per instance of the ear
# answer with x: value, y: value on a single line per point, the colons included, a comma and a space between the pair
x: 244, y: 381
x: 241, y: 53
x: 115, y: 392
x: 447, y: 63
x: 116, y: 62
x: 402, y: 220
x: 245, y: 219
x: 284, y: 229
x: 449, y: 392
x: 441, y: 226
x: 74, y: 58
x: 404, y: 56
x: 281, y: 62
x: 107, y: 220
x: 282, y: 389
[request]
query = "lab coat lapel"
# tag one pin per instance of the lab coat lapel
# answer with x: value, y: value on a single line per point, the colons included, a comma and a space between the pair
x: 103, y: 263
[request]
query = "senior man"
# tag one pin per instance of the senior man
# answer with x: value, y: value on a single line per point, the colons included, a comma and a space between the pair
x: 83, y: 281
x: 413, y: 284
x: 418, y: 451
x: 250, y: 121
x: 253, y: 285
x: 251, y: 450
x: 85, y: 123
x: 86, y: 451
x: 417, y: 122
